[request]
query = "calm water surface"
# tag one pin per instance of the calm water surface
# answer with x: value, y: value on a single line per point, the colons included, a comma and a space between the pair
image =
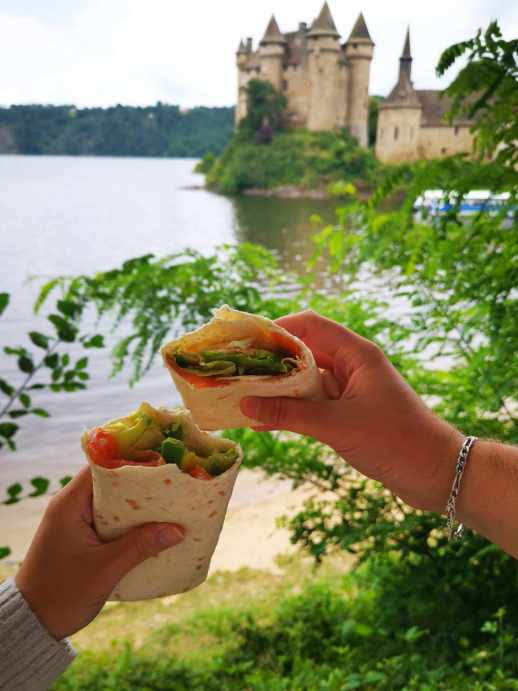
x: 61, y: 215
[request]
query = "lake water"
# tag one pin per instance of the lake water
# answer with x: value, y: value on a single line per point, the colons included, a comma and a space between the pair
x: 61, y: 215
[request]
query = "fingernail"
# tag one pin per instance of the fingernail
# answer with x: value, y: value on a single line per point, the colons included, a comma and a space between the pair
x: 171, y: 535
x: 250, y: 407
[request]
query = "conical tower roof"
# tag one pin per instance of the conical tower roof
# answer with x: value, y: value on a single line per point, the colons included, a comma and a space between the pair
x: 407, y: 54
x: 360, y: 29
x: 273, y: 33
x: 324, y: 23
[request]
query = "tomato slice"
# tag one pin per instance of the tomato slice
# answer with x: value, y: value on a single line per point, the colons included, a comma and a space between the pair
x: 200, y: 473
x: 103, y: 449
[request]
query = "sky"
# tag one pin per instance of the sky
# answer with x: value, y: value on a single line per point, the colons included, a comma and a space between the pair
x: 138, y: 52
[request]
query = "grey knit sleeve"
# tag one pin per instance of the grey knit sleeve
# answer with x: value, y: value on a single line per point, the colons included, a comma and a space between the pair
x: 30, y: 659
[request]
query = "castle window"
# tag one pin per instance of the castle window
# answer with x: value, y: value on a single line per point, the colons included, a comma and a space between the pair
x: 455, y: 130
x: 443, y: 150
x: 396, y: 132
x: 285, y: 85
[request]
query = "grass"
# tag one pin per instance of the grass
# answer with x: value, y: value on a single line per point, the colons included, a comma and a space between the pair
x: 203, y: 617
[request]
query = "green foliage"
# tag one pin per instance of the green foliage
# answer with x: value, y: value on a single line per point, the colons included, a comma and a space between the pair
x: 205, y: 164
x: 487, y: 89
x: 296, y: 157
x: 158, y: 299
x: 54, y: 367
x: 160, y: 130
x: 265, y: 112
x: 325, y: 638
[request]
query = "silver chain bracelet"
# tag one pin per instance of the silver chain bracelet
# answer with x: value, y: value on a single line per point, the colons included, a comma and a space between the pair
x: 462, y: 459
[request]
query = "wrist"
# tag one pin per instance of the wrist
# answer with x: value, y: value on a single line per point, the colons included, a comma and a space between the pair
x: 438, y: 459
x: 38, y: 608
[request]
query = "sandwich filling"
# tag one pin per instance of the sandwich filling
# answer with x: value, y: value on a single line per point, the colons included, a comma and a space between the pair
x: 149, y: 438
x: 235, y: 359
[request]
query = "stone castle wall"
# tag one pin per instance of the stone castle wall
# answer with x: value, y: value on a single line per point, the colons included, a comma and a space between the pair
x: 444, y: 140
x: 398, y: 134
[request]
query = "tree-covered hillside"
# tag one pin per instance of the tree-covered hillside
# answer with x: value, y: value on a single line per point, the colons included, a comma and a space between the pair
x: 159, y: 130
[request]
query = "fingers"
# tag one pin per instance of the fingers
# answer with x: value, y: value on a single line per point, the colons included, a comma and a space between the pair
x: 331, y: 385
x: 139, y: 544
x: 293, y: 414
x: 325, y: 337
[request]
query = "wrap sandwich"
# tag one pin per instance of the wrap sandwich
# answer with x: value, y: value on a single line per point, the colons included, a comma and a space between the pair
x: 157, y: 465
x: 235, y: 355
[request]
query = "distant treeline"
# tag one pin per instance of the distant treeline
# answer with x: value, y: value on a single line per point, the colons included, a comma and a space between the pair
x: 160, y: 130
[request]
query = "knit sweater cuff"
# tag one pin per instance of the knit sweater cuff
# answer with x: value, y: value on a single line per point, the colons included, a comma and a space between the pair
x: 31, y: 659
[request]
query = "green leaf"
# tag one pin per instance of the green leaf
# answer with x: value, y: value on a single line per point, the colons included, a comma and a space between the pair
x: 25, y: 364
x: 13, y: 492
x: 39, y: 339
x: 65, y: 360
x: 65, y: 480
x: 69, y: 308
x: 4, y: 552
x: 52, y: 361
x: 82, y: 363
x: 8, y: 429
x: 25, y: 400
x: 9, y: 350
x: 45, y: 292
x: 19, y: 412
x: 65, y: 330
x: 96, y: 341
x: 6, y: 388
x: 41, y: 412
x: 40, y: 484
x: 4, y: 301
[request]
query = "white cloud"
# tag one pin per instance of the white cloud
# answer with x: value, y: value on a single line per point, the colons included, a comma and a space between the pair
x: 93, y: 52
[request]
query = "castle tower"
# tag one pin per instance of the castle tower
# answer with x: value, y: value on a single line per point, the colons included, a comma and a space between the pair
x: 241, y: 59
x: 359, y: 49
x: 323, y: 51
x: 271, y: 54
x: 399, y: 116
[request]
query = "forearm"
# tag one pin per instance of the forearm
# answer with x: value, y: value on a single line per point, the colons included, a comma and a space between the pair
x: 488, y: 498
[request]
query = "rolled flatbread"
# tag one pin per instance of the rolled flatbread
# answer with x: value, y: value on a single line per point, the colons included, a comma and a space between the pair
x: 212, y: 388
x: 127, y: 496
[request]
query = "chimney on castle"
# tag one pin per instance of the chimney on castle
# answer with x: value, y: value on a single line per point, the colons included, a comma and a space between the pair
x: 248, y: 45
x: 303, y: 27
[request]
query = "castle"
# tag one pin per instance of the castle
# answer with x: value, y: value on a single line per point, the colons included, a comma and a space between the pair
x: 411, y: 123
x: 326, y: 84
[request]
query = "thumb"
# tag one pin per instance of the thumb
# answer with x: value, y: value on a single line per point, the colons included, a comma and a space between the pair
x: 139, y: 544
x: 293, y: 414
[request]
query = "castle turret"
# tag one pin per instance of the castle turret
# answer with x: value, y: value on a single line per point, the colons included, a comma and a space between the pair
x: 399, y: 116
x: 241, y: 61
x: 359, y: 49
x: 323, y: 50
x: 271, y: 54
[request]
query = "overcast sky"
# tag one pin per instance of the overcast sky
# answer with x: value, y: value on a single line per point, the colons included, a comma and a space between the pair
x: 101, y: 52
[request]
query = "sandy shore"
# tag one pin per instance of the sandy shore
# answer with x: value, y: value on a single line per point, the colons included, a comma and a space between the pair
x: 250, y: 536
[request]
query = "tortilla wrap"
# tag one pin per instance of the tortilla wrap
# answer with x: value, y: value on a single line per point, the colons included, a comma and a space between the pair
x: 214, y: 403
x: 130, y: 496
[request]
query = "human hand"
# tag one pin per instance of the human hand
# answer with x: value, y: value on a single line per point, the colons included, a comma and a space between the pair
x: 370, y: 416
x: 69, y: 572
